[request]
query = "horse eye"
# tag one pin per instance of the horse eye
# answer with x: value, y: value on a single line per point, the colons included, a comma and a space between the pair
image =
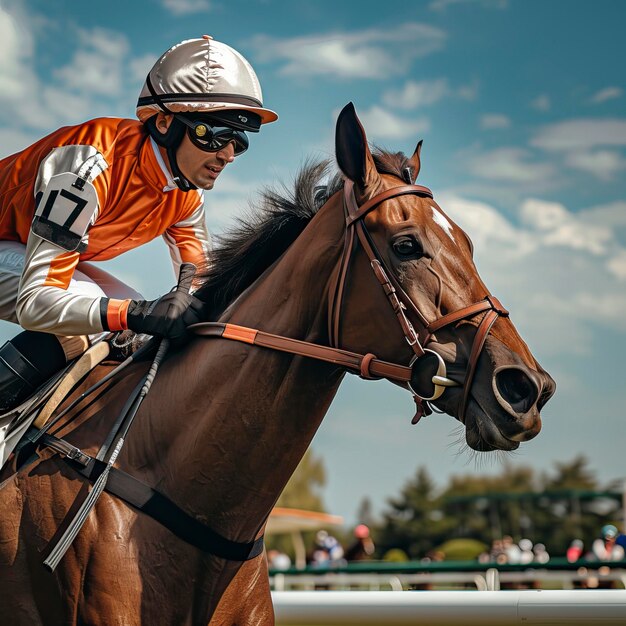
x: 406, y: 247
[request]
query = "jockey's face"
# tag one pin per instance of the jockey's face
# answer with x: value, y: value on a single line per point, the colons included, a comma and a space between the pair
x: 202, y: 168
x: 199, y: 167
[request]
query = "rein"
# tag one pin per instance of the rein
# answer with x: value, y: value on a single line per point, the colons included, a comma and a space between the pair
x: 368, y: 366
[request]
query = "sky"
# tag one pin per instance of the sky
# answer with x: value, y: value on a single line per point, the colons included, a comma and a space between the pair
x: 522, y: 108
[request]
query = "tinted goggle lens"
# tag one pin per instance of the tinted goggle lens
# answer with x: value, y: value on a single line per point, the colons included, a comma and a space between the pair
x: 214, y: 138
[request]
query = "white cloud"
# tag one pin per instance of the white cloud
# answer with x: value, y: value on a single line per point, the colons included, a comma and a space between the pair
x: 186, y: 7
x: 469, y: 91
x: 556, y: 226
x: 140, y: 66
x: 96, y: 81
x: 617, y: 265
x: 372, y: 53
x: 612, y: 215
x: 485, y: 225
x: 509, y: 164
x: 603, y: 164
x: 13, y: 140
x: 610, y: 93
x: 415, y: 94
x: 64, y: 107
x: 16, y: 51
x: 441, y: 5
x: 605, y: 306
x: 580, y: 141
x: 491, y: 121
x: 560, y: 273
x: 581, y: 133
x: 383, y: 124
x: 98, y: 65
x: 541, y: 103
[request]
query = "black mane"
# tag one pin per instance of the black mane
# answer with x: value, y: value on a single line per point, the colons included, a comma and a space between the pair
x: 244, y: 252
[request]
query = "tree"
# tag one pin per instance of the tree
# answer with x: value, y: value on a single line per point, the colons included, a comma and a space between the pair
x: 303, y: 491
x: 571, y: 475
x: 568, y: 508
x: 488, y: 507
x: 415, y: 523
x: 554, y: 508
x: 365, y: 512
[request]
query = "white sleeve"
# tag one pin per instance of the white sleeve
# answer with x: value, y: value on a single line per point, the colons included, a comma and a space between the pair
x: 46, y: 301
x: 66, y: 205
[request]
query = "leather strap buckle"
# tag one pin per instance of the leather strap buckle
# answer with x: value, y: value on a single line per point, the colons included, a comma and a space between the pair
x: 496, y: 305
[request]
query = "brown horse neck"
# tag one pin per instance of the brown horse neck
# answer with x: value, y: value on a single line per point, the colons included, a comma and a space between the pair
x: 230, y: 421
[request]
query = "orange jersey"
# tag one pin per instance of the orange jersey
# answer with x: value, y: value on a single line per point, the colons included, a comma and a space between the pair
x: 126, y: 198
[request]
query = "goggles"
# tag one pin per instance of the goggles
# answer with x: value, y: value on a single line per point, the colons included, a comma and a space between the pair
x: 213, y: 138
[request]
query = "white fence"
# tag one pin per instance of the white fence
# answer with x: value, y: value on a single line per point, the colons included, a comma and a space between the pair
x: 450, y: 608
x: 482, y: 580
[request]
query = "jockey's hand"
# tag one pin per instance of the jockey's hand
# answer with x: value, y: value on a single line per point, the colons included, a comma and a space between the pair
x: 170, y: 315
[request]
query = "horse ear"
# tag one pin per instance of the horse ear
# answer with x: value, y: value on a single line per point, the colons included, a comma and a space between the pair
x: 353, y: 154
x: 414, y: 161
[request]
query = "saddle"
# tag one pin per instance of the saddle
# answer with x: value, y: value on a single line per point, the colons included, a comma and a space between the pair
x: 37, y: 410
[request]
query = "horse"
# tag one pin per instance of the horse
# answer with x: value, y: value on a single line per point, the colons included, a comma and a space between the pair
x: 227, y: 421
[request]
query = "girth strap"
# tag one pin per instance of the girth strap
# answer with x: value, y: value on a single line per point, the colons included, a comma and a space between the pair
x: 153, y: 503
x: 160, y: 508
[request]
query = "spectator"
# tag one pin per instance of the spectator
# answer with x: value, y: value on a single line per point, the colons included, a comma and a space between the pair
x: 540, y: 553
x: 278, y: 560
x: 363, y: 546
x: 527, y: 555
x: 497, y: 553
x: 605, y: 547
x: 575, y: 551
x: 511, y: 549
x: 328, y: 551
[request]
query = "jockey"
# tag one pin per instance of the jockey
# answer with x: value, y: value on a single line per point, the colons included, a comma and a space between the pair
x: 93, y: 191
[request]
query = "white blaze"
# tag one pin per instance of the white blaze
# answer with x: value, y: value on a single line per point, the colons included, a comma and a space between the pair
x: 440, y: 219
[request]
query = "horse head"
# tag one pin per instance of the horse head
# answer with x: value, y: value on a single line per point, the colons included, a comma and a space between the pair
x: 452, y: 329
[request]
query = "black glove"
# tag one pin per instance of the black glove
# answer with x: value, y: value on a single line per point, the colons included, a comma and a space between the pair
x: 170, y: 315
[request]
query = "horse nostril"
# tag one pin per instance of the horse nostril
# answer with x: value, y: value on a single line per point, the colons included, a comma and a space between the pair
x: 549, y: 387
x: 517, y: 388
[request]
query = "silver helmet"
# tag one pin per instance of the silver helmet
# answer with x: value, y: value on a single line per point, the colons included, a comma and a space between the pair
x: 202, y: 76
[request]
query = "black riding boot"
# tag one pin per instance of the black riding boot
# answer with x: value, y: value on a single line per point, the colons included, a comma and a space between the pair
x: 18, y: 377
x: 25, y: 363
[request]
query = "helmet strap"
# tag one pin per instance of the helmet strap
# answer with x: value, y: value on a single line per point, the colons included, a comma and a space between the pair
x: 177, y: 176
x: 169, y: 140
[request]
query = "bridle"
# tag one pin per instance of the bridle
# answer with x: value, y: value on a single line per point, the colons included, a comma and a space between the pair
x: 401, y: 302
x: 368, y: 366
